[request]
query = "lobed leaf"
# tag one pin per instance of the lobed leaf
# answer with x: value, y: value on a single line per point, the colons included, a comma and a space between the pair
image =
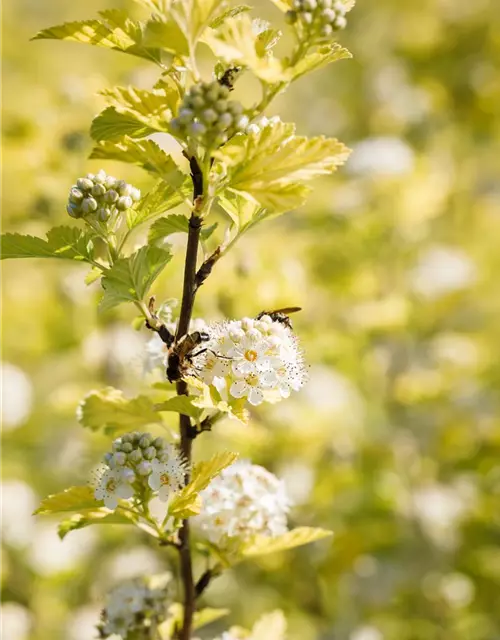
x: 111, y: 124
x: 144, y: 153
x: 180, y: 404
x: 67, y: 243
x: 109, y: 410
x: 294, y: 538
x: 114, y: 31
x: 187, y: 502
x: 100, y: 516
x: 177, y: 223
x: 72, y: 499
x: 323, y: 55
x: 162, y: 198
x: 238, y: 42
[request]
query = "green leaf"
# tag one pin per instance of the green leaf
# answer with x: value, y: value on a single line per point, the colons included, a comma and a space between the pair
x: 114, y: 31
x: 144, y: 104
x: 194, y: 16
x: 67, y: 243
x: 162, y: 198
x: 144, y: 153
x: 237, y: 42
x: 207, y: 616
x: 93, y: 275
x: 320, y: 58
x: 211, y: 399
x: 163, y: 32
x: 187, y: 501
x: 72, y: 499
x: 100, y: 516
x: 109, y: 410
x: 110, y: 124
x: 177, y: 223
x: 294, y: 538
x: 180, y: 404
x: 231, y: 12
x: 130, y: 279
x: 270, y: 165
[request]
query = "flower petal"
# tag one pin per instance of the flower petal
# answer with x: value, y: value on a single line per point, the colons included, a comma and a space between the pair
x: 239, y: 389
x: 255, y: 396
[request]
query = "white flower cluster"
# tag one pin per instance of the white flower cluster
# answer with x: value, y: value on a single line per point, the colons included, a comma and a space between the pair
x: 137, y: 461
x: 132, y: 608
x: 256, y: 126
x: 257, y: 359
x: 245, y: 500
x: 319, y: 18
x: 101, y: 195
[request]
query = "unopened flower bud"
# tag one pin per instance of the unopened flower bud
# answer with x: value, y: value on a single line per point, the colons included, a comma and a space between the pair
x: 124, y: 202
x: 119, y: 458
x: 108, y: 457
x: 127, y: 446
x: 340, y: 22
x: 145, y: 441
x: 144, y: 468
x: 221, y: 106
x: 111, y: 196
x: 75, y: 195
x: 149, y: 453
x: 100, y: 177
x: 110, y: 182
x: 74, y: 210
x: 135, y: 194
x: 307, y: 18
x: 89, y: 205
x: 291, y: 17
x: 98, y: 190
x: 209, y: 116
x: 84, y: 184
x: 135, y: 456
x: 185, y: 116
x: 197, y: 129
x: 159, y: 443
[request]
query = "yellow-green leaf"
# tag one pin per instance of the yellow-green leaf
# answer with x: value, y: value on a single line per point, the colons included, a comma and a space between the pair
x: 67, y: 243
x: 72, y: 499
x: 294, y: 538
x: 317, y: 59
x: 109, y: 410
x: 144, y: 153
x: 188, y: 499
x: 237, y: 41
x: 180, y: 404
x: 88, y: 518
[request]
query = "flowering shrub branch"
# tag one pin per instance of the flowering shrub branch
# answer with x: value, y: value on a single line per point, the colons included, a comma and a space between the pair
x: 254, y: 168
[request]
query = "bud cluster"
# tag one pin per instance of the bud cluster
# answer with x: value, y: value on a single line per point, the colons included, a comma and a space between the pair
x: 319, y: 18
x: 132, y: 610
x: 138, y: 461
x: 207, y: 116
x: 245, y: 500
x: 101, y: 195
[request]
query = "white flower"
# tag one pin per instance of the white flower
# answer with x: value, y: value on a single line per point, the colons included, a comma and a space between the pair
x: 244, y: 501
x: 167, y: 477
x: 132, y: 607
x: 16, y: 621
x: 115, y: 484
x: 257, y: 359
x: 382, y: 156
x: 17, y: 396
x: 442, y: 270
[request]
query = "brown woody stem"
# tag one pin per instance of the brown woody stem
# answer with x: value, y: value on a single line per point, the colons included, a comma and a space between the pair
x: 188, y: 295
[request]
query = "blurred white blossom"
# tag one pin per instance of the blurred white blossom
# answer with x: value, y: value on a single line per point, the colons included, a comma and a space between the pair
x: 243, y: 501
x: 382, y: 156
x: 49, y: 554
x: 366, y: 632
x: 442, y: 270
x: 18, y: 503
x: 15, y: 621
x: 457, y: 589
x: 439, y: 508
x: 17, y: 396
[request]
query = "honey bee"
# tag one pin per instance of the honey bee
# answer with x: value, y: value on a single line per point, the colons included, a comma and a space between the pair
x: 180, y: 354
x: 280, y: 315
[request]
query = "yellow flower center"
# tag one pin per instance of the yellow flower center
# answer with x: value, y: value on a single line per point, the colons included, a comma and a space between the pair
x: 251, y: 355
x: 111, y: 485
x: 164, y: 478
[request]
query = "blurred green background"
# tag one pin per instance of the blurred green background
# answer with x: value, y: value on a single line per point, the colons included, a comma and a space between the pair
x: 394, y: 443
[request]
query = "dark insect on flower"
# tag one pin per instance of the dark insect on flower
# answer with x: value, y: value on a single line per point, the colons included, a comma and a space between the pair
x: 229, y: 77
x: 280, y: 315
x: 180, y: 354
